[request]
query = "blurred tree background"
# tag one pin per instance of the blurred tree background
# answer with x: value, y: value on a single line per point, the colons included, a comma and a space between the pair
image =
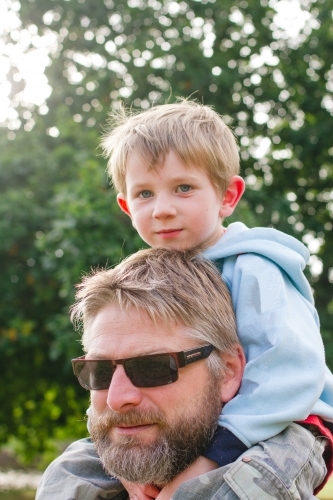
x: 266, y: 66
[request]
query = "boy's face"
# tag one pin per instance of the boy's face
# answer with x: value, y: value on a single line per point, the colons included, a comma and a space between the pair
x: 175, y: 206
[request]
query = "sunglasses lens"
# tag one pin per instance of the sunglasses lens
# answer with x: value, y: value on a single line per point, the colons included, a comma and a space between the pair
x: 94, y: 375
x: 151, y: 371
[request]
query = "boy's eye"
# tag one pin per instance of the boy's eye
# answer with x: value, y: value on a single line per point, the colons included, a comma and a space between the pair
x: 184, y: 188
x: 145, y: 194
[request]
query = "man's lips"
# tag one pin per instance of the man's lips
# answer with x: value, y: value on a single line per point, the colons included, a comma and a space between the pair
x: 132, y: 429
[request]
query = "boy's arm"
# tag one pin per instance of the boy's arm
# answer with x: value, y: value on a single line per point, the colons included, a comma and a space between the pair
x: 199, y: 467
x: 148, y: 492
x: 285, y: 371
x: 140, y: 491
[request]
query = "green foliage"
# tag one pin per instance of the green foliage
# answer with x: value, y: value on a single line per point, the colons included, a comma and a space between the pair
x: 58, y: 219
x: 17, y: 495
x: 58, y: 215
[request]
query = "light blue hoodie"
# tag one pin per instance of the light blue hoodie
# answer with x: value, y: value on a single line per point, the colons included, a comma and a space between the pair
x: 285, y: 378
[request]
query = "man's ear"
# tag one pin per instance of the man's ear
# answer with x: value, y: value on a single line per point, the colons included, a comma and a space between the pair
x: 122, y: 202
x: 232, y: 196
x: 233, y: 374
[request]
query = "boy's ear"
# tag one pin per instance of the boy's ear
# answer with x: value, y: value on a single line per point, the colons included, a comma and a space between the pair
x: 233, y: 374
x: 122, y: 202
x: 232, y: 195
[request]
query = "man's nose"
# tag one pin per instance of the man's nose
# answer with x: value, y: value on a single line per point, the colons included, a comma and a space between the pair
x: 122, y: 394
x: 164, y: 207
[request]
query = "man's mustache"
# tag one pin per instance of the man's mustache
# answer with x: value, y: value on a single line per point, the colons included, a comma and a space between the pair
x: 131, y: 418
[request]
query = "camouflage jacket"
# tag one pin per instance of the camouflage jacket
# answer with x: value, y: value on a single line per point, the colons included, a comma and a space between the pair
x: 287, y: 467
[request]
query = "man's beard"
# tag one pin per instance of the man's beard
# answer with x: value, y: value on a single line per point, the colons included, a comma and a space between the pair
x: 177, y: 445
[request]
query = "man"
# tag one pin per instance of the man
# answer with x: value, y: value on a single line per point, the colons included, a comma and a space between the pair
x: 165, y: 319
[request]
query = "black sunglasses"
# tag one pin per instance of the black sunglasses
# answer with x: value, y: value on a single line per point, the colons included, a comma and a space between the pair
x: 152, y: 370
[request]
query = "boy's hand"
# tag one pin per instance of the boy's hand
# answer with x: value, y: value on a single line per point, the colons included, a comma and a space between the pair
x: 149, y: 492
x: 140, y: 491
x: 200, y: 466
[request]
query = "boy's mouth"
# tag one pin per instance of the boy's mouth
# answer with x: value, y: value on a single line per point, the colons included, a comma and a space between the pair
x: 169, y: 233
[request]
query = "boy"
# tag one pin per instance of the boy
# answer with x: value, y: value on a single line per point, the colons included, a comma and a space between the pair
x: 175, y: 168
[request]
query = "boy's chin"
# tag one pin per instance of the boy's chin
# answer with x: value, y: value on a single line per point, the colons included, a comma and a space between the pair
x: 179, y: 248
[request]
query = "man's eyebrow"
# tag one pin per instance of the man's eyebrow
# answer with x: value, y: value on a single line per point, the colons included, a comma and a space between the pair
x: 95, y: 356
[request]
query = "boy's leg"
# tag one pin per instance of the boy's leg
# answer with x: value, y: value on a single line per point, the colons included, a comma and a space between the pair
x: 289, y: 466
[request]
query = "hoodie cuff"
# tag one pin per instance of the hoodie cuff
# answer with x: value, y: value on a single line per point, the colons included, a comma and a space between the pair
x: 224, y: 448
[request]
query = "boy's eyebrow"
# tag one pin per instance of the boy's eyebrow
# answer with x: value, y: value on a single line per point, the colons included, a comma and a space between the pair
x: 178, y: 180
x: 137, y: 185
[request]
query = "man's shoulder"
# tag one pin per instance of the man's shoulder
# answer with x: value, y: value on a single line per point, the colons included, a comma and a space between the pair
x: 78, y: 474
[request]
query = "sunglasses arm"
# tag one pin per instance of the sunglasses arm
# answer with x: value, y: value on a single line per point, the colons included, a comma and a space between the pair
x: 187, y: 357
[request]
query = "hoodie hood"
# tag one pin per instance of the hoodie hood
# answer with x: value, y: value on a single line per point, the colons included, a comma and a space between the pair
x: 284, y: 250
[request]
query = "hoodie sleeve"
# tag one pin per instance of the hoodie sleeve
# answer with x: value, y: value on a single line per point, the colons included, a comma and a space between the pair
x: 285, y: 371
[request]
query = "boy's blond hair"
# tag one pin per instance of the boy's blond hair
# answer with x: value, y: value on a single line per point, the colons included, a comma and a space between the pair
x: 196, y: 133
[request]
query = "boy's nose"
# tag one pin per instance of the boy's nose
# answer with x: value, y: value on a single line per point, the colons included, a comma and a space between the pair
x: 163, y: 207
x: 122, y: 394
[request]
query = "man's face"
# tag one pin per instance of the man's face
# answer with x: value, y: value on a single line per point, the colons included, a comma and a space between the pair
x: 149, y: 435
x: 175, y: 206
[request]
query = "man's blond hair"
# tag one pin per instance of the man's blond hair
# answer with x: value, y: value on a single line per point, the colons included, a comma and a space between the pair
x: 196, y: 133
x: 170, y: 286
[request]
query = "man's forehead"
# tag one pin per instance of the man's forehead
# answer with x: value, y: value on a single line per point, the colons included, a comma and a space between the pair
x: 115, y: 318
x: 127, y: 333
